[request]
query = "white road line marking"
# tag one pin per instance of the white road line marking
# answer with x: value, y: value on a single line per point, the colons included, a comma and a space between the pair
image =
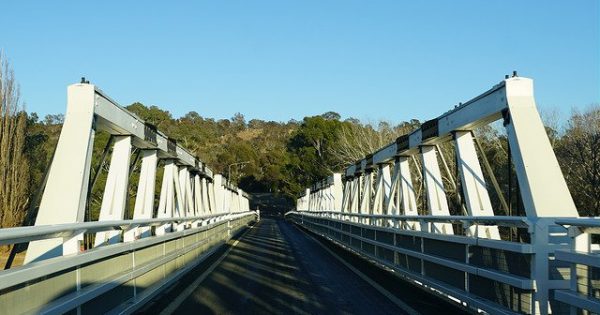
x: 170, y: 309
x: 405, y: 307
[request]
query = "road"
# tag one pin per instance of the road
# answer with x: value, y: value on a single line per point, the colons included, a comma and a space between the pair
x: 275, y: 268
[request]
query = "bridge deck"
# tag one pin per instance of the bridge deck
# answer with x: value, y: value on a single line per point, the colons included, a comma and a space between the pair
x: 275, y: 268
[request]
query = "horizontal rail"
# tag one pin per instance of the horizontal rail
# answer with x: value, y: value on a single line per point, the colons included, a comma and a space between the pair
x: 513, y: 280
x: 32, y: 233
x: 486, y: 220
x: 130, y: 273
x: 586, y: 225
x: 384, y: 242
x: 584, y: 259
x: 431, y: 260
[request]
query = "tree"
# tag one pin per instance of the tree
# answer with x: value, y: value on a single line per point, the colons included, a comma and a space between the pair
x: 152, y: 114
x: 14, y: 172
x: 579, y: 153
x: 311, y: 146
x: 331, y: 116
x: 356, y: 140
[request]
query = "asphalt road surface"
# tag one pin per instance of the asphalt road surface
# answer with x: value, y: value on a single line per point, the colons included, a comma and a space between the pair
x: 275, y: 268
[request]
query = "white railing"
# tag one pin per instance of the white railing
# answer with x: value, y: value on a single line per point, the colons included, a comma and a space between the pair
x: 498, y: 276
x: 119, y: 277
x: 583, y: 257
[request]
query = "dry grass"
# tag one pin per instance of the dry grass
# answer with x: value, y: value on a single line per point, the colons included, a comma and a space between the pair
x: 17, y: 262
x: 249, y: 134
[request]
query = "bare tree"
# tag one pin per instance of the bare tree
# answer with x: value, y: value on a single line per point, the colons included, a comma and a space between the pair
x: 551, y: 118
x: 14, y: 173
x: 356, y: 140
x: 579, y: 154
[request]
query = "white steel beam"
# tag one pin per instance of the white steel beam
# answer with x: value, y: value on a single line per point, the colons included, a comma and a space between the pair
x: 543, y: 188
x: 219, y: 193
x: 144, y: 199
x: 180, y: 205
x: 437, y: 204
x: 212, y: 196
x: 185, y: 181
x: 114, y: 199
x: 166, y: 203
x: 393, y: 202
x: 474, y: 188
x: 206, y: 196
x: 119, y: 121
x: 366, y: 193
x: 346, y: 195
x: 407, y: 190
x: 337, y: 192
x: 65, y: 196
x: 198, y: 202
x: 355, y: 197
x: 386, y: 188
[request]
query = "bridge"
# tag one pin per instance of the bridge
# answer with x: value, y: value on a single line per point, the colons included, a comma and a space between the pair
x: 367, y: 240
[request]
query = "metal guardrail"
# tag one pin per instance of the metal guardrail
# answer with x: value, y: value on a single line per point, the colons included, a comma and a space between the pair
x: 112, y: 278
x: 496, y: 276
x: 33, y: 233
x: 583, y: 295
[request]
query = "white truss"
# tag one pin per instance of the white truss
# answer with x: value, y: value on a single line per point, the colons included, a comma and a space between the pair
x: 543, y: 189
x: 189, y: 188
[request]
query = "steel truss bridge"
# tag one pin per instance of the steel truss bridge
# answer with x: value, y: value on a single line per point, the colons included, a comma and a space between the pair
x: 544, y: 262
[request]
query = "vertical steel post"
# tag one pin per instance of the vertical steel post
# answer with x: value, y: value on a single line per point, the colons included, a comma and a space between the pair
x: 436, y: 195
x: 65, y: 196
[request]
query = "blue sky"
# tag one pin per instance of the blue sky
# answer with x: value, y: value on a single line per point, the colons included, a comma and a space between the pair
x: 278, y: 60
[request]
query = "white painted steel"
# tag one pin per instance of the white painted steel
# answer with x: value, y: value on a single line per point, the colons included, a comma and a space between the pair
x: 366, y: 193
x: 142, y: 264
x: 115, y: 190
x: 437, y: 204
x: 337, y: 192
x: 541, y: 183
x: 543, y: 188
x: 65, y: 197
x: 537, y: 282
x: 166, y: 203
x: 144, y: 199
x: 205, y: 196
x: 474, y: 187
x: 65, y: 194
x: 409, y: 202
x: 583, y: 258
x: 382, y: 190
x: 394, y: 201
x: 198, y: 202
